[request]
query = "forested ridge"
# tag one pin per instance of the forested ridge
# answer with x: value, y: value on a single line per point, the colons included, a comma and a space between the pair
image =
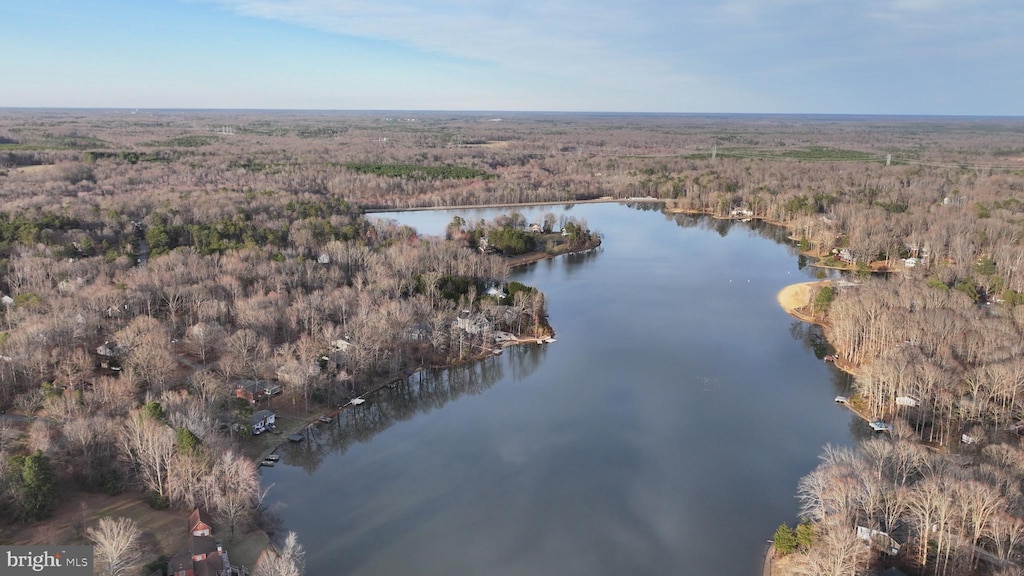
x: 210, y: 255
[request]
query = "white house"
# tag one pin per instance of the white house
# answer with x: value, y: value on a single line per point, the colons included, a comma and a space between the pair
x: 879, y: 540
x: 262, y: 421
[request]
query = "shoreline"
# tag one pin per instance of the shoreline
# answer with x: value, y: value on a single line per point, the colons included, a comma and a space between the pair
x: 794, y: 298
x: 601, y: 200
x: 383, y: 381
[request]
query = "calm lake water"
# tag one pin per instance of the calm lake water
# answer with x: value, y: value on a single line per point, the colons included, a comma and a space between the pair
x: 663, y: 433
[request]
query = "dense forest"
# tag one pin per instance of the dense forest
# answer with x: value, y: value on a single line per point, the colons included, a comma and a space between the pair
x: 153, y: 260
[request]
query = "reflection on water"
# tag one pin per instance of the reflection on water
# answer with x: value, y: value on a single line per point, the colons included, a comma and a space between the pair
x: 812, y: 337
x: 723, y: 227
x: 419, y: 393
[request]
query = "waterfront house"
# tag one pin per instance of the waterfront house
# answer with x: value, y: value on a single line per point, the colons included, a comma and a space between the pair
x: 471, y: 323
x: 261, y: 422
x: 878, y: 540
x: 909, y: 401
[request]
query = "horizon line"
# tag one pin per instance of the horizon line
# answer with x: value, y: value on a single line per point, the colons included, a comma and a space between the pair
x: 130, y: 109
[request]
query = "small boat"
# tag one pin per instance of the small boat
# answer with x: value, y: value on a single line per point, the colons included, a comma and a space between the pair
x: 356, y: 401
x: 549, y: 340
x: 325, y: 419
x: 296, y: 437
x: 880, y: 426
x: 272, y: 458
x: 496, y: 352
x: 831, y: 358
x: 842, y: 399
x: 267, y: 463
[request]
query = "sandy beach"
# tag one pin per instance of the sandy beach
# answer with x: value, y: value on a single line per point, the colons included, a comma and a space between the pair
x: 795, y: 297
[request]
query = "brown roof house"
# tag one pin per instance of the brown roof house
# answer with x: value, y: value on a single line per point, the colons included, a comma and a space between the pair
x: 199, y: 523
x: 257, y: 390
x: 205, y: 556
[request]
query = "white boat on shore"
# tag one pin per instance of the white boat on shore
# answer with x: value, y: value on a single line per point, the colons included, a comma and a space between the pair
x: 880, y: 426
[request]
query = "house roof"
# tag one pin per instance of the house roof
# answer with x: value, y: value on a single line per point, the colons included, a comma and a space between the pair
x: 341, y: 344
x: 109, y: 348
x: 253, y: 386
x: 199, y: 516
x: 260, y: 416
x: 211, y: 566
x: 202, y: 545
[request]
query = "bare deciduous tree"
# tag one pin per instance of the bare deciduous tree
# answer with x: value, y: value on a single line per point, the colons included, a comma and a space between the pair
x: 149, y: 446
x: 204, y: 340
x: 289, y: 560
x: 837, y: 552
x: 236, y: 489
x: 117, y: 543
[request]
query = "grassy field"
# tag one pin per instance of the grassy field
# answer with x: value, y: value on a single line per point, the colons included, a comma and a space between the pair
x: 165, y: 531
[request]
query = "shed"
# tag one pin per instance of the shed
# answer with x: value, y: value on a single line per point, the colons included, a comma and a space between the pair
x: 199, y: 523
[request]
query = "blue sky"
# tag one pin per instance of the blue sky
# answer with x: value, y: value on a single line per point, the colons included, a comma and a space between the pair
x: 757, y: 56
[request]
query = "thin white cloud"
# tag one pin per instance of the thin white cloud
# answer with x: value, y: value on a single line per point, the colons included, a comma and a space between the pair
x: 923, y: 5
x: 526, y: 34
x: 655, y: 53
x: 586, y: 46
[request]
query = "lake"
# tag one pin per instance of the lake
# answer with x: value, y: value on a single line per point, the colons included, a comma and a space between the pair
x: 664, y: 432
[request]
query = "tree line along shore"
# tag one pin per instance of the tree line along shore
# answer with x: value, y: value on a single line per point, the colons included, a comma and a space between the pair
x: 199, y: 258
